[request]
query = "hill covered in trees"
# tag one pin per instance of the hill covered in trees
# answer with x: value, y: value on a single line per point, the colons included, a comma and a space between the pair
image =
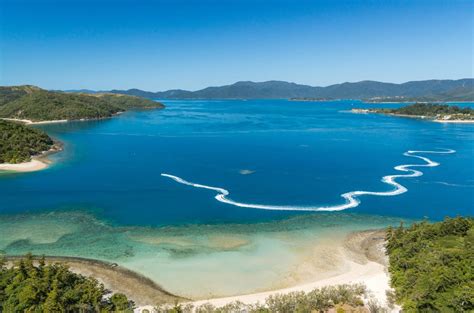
x: 30, y: 287
x: 36, y: 104
x: 430, y: 110
x: 19, y: 142
x: 431, y: 265
x: 427, y: 90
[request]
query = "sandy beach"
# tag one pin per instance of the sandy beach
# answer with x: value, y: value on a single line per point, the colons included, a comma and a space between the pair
x: 37, y: 163
x: 30, y: 122
x: 365, y: 263
x: 31, y: 166
x: 455, y: 121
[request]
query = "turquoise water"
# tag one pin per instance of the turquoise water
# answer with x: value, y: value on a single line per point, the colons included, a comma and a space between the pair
x: 105, y: 198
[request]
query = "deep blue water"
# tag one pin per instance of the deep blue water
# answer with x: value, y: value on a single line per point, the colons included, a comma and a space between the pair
x: 302, y: 153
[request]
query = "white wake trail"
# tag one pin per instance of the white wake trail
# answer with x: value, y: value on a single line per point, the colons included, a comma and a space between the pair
x: 351, y: 198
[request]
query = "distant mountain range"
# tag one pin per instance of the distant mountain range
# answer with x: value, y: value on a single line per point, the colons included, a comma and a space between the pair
x: 427, y: 90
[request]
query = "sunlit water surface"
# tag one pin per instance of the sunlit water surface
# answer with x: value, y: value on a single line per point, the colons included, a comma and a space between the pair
x: 105, y: 198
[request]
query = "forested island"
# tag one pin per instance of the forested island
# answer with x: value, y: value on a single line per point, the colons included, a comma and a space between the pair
x: 18, y: 143
x: 431, y: 265
x: 437, y: 112
x: 31, y: 104
x: 35, y: 104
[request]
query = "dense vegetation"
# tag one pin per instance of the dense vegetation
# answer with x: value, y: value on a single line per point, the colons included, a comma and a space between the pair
x: 33, y: 103
x: 30, y: 287
x: 432, y: 265
x: 343, y: 298
x: 432, y: 110
x: 19, y: 142
x: 8, y: 94
x: 124, y: 102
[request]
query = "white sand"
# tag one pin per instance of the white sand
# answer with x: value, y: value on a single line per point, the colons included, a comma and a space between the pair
x: 30, y: 122
x: 372, y: 274
x: 455, y: 121
x: 33, y: 165
x: 363, y: 262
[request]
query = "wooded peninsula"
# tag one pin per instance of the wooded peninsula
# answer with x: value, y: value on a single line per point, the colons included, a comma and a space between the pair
x: 35, y: 104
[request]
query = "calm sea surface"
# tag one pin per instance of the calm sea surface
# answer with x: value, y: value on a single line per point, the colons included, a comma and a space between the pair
x: 106, y: 186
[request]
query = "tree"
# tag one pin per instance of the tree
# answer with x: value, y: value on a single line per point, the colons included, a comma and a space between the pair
x: 27, y: 287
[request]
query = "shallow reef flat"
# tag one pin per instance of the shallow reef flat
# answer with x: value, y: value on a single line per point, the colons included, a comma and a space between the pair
x: 255, y: 257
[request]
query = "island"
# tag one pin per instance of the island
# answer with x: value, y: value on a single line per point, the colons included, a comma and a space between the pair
x: 435, y: 112
x: 31, y: 104
x: 22, y: 147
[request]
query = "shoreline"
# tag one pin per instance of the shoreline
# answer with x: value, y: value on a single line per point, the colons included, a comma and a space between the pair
x: 137, y: 287
x: 455, y: 121
x: 362, y: 253
x: 30, y: 122
x: 365, y: 262
x: 37, y: 163
x: 420, y: 117
x: 31, y: 166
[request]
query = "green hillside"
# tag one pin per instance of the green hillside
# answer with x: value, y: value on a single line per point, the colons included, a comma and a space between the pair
x: 435, y: 111
x: 125, y: 102
x: 19, y: 142
x: 35, y: 104
x: 372, y: 91
x: 431, y: 265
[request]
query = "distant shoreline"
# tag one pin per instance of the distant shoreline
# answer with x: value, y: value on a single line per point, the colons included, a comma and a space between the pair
x: 420, y: 117
x: 30, y: 122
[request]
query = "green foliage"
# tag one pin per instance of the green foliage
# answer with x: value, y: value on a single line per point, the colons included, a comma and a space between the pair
x: 119, y: 303
x: 125, y: 102
x: 29, y: 287
x: 431, y: 265
x: 44, y: 105
x: 19, y: 142
x: 35, y: 104
x: 432, y: 110
x: 321, y: 300
x: 8, y: 94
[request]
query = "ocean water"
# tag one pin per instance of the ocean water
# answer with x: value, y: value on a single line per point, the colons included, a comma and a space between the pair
x: 105, y: 196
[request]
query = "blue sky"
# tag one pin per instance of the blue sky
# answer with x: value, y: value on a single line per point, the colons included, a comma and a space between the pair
x: 159, y: 45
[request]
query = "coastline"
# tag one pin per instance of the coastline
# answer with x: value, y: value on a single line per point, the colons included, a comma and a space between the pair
x: 362, y: 260
x: 365, y: 262
x: 455, y: 121
x: 31, y: 166
x: 114, y: 277
x: 30, y: 122
x: 420, y: 117
x: 37, y: 163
